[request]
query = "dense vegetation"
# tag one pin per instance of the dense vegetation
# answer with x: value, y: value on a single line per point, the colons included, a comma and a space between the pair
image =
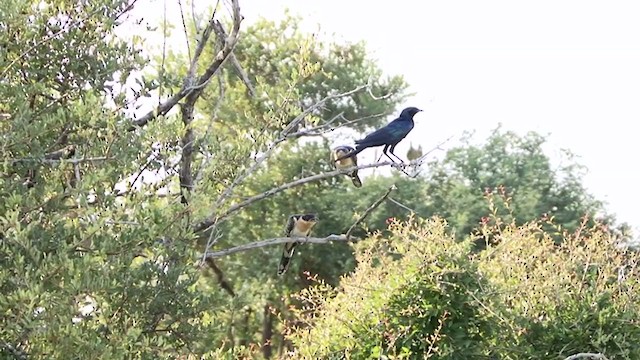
x: 419, y: 293
x: 106, y: 209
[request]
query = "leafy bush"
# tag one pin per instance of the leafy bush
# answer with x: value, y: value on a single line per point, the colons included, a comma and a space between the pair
x: 419, y: 293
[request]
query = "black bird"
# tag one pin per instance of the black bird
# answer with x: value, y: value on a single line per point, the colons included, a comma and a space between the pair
x: 389, y: 136
x: 299, y: 225
x: 346, y: 162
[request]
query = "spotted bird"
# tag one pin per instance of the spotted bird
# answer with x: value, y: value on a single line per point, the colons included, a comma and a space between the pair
x: 389, y: 136
x: 299, y: 225
x: 346, y: 162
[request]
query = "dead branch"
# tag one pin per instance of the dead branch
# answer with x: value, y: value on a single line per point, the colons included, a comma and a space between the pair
x: 587, y: 356
x: 217, y: 218
x: 284, y: 135
x: 401, y: 205
x: 326, y: 127
x: 206, y: 224
x: 192, y: 85
x: 275, y: 241
x: 242, y: 75
x: 422, y: 158
x: 369, y: 210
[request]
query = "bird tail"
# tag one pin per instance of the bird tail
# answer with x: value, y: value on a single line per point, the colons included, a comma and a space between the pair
x: 287, y: 254
x: 356, y: 179
x: 350, y: 154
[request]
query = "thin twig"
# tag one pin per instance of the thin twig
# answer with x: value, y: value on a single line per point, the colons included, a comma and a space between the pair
x: 275, y: 241
x: 402, y: 205
x: 184, y: 27
x: 421, y: 159
x: 191, y: 84
x: 236, y: 64
x: 370, y: 86
x: 326, y: 127
x: 55, y: 161
x: 370, y: 209
x: 586, y: 355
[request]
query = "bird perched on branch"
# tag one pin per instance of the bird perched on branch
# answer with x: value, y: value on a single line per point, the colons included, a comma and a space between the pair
x: 414, y: 153
x: 299, y: 225
x: 347, y: 162
x: 389, y: 136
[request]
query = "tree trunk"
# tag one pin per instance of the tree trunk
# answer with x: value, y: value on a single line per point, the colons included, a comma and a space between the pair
x: 267, y: 331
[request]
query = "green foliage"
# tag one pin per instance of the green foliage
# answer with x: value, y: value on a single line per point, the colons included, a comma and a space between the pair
x: 514, y: 167
x: 91, y: 263
x: 83, y: 270
x: 419, y: 293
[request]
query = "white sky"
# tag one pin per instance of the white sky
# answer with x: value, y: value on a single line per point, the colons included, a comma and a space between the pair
x: 568, y: 68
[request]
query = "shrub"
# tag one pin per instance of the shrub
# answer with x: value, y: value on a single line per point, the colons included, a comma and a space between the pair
x: 419, y: 293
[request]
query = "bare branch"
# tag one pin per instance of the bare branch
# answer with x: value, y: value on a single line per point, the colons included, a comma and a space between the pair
x: 191, y: 84
x: 401, y: 205
x: 586, y: 356
x: 184, y: 28
x: 369, y: 210
x: 422, y: 158
x: 236, y: 64
x: 55, y: 161
x: 369, y: 87
x: 275, y: 241
x: 326, y: 127
x: 206, y: 224
x: 285, y: 134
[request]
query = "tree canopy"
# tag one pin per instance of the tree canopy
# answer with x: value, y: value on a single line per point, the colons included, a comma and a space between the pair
x: 122, y: 174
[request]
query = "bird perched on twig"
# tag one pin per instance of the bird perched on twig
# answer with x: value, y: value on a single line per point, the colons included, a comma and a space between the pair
x: 299, y: 225
x: 389, y: 136
x: 414, y: 153
x: 346, y: 162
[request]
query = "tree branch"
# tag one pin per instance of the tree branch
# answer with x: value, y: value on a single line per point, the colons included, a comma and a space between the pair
x: 402, y: 205
x: 370, y: 209
x: 236, y: 64
x: 220, y: 275
x: 191, y: 84
x: 275, y: 241
x: 586, y: 355
x: 204, y: 225
x: 284, y: 135
x: 55, y: 161
x: 347, y: 237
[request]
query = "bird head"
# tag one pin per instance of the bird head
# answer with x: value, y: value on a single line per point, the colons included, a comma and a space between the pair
x: 409, y: 112
x: 342, y: 150
x: 310, y: 218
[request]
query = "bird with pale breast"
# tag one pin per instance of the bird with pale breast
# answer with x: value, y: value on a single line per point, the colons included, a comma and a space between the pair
x: 298, y: 225
x: 346, y: 162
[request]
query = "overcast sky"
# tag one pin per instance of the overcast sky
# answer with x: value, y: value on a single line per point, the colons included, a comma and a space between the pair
x: 570, y: 69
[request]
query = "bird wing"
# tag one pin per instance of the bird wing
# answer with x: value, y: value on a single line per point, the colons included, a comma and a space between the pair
x: 290, y: 224
x: 393, y: 132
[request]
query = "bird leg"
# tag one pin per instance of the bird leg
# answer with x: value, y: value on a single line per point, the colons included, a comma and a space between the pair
x: 384, y: 151
x: 392, y: 153
x: 397, y: 157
